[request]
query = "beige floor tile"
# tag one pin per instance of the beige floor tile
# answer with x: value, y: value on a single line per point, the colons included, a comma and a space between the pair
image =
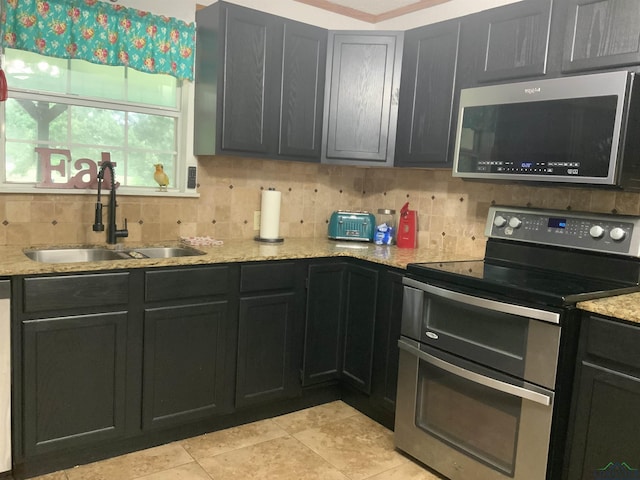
x: 408, y: 471
x: 223, y: 441
x: 52, y: 476
x: 133, y: 465
x: 283, y: 458
x: 190, y: 471
x: 357, y: 446
x: 315, y: 416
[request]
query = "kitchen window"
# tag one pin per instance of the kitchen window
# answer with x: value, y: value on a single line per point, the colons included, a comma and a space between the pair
x: 84, y: 109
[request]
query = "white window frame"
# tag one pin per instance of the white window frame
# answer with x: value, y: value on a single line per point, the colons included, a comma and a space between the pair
x: 184, y: 154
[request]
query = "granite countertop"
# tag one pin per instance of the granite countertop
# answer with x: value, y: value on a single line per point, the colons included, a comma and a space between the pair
x: 624, y: 307
x: 14, y: 262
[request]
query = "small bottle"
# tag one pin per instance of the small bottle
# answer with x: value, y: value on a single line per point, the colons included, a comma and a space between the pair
x: 385, y: 227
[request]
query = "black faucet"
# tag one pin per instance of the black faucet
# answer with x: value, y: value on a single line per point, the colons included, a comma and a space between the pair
x: 112, y: 230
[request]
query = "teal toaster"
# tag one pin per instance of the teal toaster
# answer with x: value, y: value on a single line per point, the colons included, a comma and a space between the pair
x: 348, y: 225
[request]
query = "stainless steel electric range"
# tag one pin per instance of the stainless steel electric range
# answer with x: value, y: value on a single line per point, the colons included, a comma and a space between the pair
x: 487, y: 347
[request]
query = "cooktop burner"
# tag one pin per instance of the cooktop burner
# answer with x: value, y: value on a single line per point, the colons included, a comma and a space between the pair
x: 533, y: 285
x: 552, y: 257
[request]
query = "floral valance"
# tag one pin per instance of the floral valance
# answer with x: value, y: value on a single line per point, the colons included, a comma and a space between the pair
x: 100, y: 32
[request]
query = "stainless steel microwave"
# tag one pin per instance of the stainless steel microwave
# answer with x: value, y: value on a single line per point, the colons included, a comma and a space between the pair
x: 576, y: 130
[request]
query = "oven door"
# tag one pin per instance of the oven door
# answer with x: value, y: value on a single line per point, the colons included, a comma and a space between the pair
x: 466, y: 421
x: 518, y: 340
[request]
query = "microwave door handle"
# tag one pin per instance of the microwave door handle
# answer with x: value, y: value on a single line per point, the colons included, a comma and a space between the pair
x: 544, y: 315
x: 476, y: 377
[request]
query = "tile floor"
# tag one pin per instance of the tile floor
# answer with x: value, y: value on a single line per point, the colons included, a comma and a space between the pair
x: 326, y: 442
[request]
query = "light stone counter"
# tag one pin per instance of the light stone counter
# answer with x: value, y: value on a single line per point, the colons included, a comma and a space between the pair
x: 624, y: 307
x: 14, y: 262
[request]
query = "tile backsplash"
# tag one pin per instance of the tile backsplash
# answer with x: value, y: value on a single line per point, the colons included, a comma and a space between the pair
x: 451, y: 212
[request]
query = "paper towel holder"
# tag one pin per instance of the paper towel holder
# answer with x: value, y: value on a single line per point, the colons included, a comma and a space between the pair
x: 274, y: 239
x: 268, y: 240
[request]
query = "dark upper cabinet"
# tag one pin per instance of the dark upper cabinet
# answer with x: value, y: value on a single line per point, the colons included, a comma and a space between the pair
x: 505, y: 43
x: 426, y: 95
x: 303, y: 76
x: 251, y: 41
x: 259, y: 85
x: 601, y: 34
x: 361, y: 104
x: 606, y: 396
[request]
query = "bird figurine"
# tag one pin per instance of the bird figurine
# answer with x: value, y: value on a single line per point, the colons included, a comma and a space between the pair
x: 160, y: 177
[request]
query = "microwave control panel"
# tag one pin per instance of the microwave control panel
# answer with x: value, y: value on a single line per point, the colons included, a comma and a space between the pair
x: 616, y: 234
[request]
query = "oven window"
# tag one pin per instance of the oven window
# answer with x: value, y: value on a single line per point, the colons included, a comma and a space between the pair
x: 478, y: 328
x: 474, y: 419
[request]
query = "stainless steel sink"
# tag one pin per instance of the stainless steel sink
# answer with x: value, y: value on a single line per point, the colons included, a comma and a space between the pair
x: 71, y: 255
x: 75, y: 255
x: 162, y: 252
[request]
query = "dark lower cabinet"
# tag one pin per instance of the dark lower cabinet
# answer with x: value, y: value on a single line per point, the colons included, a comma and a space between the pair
x: 269, y: 332
x: 361, y: 288
x: 605, y: 429
x: 266, y: 369
x: 187, y: 366
x: 323, y: 344
x: 387, y: 333
x: 74, y: 378
x: 184, y: 350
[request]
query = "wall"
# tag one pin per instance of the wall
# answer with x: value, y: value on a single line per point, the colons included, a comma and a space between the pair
x: 451, y: 212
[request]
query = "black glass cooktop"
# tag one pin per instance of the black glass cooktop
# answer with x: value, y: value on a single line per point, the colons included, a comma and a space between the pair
x: 549, y: 287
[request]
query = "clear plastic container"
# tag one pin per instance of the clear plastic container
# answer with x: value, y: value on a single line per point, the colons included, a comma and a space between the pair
x: 385, y: 233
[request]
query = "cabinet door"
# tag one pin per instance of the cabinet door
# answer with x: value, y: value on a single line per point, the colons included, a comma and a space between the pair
x: 601, y: 34
x: 303, y: 76
x: 426, y: 95
x: 74, y: 381
x: 607, y: 424
x: 251, y: 67
x: 386, y: 352
x: 512, y: 40
x: 188, y: 363
x: 266, y: 366
x: 323, y: 345
x: 360, y: 316
x: 362, y: 106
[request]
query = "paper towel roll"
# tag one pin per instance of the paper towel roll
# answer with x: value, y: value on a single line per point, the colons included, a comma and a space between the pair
x: 270, y: 215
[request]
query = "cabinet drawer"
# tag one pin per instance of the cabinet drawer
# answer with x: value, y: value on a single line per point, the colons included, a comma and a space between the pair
x: 267, y: 276
x: 615, y: 341
x: 75, y: 291
x: 182, y: 283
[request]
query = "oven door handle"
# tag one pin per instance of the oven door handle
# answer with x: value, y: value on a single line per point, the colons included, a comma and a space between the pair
x: 499, y: 385
x: 485, y: 303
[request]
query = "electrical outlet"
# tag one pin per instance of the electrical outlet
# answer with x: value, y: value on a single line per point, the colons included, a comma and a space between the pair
x: 256, y: 220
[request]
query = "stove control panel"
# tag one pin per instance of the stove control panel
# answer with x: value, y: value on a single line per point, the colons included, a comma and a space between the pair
x: 616, y: 234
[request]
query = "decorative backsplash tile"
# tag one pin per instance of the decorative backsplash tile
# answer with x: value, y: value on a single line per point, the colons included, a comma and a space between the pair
x: 451, y: 212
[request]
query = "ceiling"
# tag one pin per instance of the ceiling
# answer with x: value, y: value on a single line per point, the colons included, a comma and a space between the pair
x: 372, y: 11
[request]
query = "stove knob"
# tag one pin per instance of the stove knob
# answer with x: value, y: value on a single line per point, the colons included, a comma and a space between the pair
x: 515, y: 222
x: 617, y: 234
x: 596, y: 231
x: 499, y: 221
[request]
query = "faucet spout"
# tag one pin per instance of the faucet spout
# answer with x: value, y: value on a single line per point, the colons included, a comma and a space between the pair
x: 113, y: 233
